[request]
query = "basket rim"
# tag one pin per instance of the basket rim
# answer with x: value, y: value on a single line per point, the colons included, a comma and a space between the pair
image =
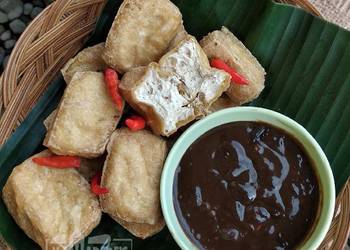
x: 304, y: 4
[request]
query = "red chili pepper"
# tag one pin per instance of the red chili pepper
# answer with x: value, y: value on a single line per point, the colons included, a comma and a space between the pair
x: 235, y: 77
x: 135, y: 123
x: 112, y: 82
x: 95, y: 185
x: 58, y: 161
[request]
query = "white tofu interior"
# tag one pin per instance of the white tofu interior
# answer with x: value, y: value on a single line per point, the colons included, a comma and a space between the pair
x: 183, y: 86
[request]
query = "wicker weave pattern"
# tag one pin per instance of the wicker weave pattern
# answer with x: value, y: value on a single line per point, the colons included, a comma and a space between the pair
x: 339, y: 232
x: 42, y: 51
x: 302, y: 4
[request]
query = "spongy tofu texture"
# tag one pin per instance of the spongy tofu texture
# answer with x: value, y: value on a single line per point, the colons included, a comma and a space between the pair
x: 53, y: 206
x: 177, y: 90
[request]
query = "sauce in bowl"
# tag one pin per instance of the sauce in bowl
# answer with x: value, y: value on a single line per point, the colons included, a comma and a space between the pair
x: 246, y: 185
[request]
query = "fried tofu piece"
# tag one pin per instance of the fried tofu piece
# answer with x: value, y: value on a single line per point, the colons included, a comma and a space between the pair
x: 54, y: 207
x: 88, y: 167
x: 89, y: 59
x: 132, y: 173
x: 223, y: 102
x: 181, y: 34
x: 176, y: 91
x: 85, y: 119
x: 141, y: 230
x: 141, y: 33
x: 50, y: 119
x: 224, y: 45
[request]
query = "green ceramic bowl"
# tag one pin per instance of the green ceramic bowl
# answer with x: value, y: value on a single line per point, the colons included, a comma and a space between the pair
x: 323, y: 169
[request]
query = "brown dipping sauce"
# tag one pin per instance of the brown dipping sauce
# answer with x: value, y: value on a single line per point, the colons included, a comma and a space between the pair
x: 246, y: 185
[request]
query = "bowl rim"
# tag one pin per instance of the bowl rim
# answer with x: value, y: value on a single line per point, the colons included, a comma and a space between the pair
x: 322, y: 168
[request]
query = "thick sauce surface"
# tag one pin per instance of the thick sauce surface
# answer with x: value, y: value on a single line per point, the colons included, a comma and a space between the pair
x: 246, y: 185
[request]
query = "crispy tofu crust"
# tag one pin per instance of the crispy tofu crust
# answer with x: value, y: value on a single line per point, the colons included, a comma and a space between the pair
x: 141, y: 230
x: 176, y: 91
x: 50, y: 119
x: 223, y: 102
x: 181, y: 34
x: 88, y: 167
x: 54, y: 207
x: 85, y: 119
x: 141, y: 33
x: 132, y: 174
x: 224, y: 45
x: 89, y: 59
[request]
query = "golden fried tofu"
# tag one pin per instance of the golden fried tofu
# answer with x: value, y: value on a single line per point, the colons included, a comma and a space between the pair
x: 54, y: 207
x: 89, y: 59
x: 176, y: 91
x: 223, y: 102
x: 222, y: 44
x: 85, y: 119
x: 50, y: 119
x: 141, y: 230
x: 141, y: 33
x: 88, y: 167
x: 132, y: 173
x: 181, y: 34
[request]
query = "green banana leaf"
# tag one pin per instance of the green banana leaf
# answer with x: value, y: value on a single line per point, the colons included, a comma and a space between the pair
x: 307, y: 61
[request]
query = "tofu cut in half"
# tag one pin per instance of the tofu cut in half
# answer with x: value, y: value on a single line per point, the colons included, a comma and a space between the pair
x: 176, y: 91
x: 54, y: 207
x: 85, y: 119
x: 132, y: 173
x: 89, y: 59
x: 222, y: 44
x: 141, y: 33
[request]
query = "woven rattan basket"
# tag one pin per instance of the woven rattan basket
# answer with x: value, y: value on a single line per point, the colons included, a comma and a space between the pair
x: 56, y: 35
